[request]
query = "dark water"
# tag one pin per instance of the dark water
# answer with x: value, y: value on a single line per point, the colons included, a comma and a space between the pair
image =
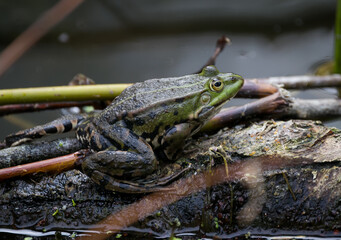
x: 284, y: 235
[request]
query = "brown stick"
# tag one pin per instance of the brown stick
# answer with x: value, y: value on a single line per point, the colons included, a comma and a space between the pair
x: 220, y: 45
x: 273, y: 104
x: 56, y: 165
x: 38, y: 29
x: 252, y: 89
x: 35, y: 107
x: 303, y: 82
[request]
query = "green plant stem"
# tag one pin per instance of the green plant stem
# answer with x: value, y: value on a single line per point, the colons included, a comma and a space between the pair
x: 337, y: 53
x: 61, y: 93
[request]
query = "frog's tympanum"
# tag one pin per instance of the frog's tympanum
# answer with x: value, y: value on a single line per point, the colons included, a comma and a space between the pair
x: 149, y: 121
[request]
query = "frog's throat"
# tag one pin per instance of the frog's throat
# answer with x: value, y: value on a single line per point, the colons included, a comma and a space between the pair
x: 208, y: 111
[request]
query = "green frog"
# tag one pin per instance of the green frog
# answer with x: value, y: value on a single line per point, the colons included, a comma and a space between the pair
x: 147, y: 122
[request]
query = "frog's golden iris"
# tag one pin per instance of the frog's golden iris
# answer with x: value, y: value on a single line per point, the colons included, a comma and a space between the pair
x: 217, y: 85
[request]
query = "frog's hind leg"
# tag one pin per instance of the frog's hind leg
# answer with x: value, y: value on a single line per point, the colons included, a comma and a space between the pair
x: 119, y: 163
x: 103, y: 168
x: 60, y: 125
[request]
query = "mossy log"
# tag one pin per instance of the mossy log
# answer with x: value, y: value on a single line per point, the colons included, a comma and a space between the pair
x: 293, y: 183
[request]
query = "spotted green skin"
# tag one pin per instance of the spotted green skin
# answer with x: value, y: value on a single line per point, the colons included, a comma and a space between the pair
x: 149, y: 121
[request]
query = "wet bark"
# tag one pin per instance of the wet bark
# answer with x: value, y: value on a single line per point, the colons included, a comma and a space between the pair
x: 293, y: 182
x: 36, y: 151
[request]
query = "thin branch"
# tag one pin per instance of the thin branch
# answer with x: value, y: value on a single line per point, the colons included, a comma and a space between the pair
x: 38, y: 29
x: 220, y: 45
x: 35, y: 107
x: 303, y: 82
x: 253, y: 89
x: 55, y: 165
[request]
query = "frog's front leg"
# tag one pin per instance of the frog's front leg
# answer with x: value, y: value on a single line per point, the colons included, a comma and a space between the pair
x: 129, y: 156
x: 174, y: 140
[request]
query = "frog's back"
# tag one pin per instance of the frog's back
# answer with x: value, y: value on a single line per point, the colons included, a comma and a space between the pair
x: 145, y: 94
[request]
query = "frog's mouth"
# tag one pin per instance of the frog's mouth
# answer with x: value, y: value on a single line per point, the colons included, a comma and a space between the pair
x: 210, y: 110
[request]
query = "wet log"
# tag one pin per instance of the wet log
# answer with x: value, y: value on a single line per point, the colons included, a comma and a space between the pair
x: 266, y: 177
x: 36, y: 151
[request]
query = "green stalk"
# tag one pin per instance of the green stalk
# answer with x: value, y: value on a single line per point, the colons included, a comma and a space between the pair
x: 337, y: 53
x: 61, y: 93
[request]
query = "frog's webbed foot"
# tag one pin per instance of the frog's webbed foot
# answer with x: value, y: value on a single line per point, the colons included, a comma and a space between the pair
x: 113, y: 184
x: 164, y: 179
x: 139, y: 186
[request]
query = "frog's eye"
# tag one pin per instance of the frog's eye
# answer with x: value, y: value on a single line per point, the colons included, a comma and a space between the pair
x: 216, y: 85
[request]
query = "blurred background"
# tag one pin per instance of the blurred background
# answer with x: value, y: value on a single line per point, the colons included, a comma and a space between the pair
x: 126, y: 41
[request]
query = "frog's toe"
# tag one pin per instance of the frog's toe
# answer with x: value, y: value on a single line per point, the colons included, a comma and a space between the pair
x: 112, y: 184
